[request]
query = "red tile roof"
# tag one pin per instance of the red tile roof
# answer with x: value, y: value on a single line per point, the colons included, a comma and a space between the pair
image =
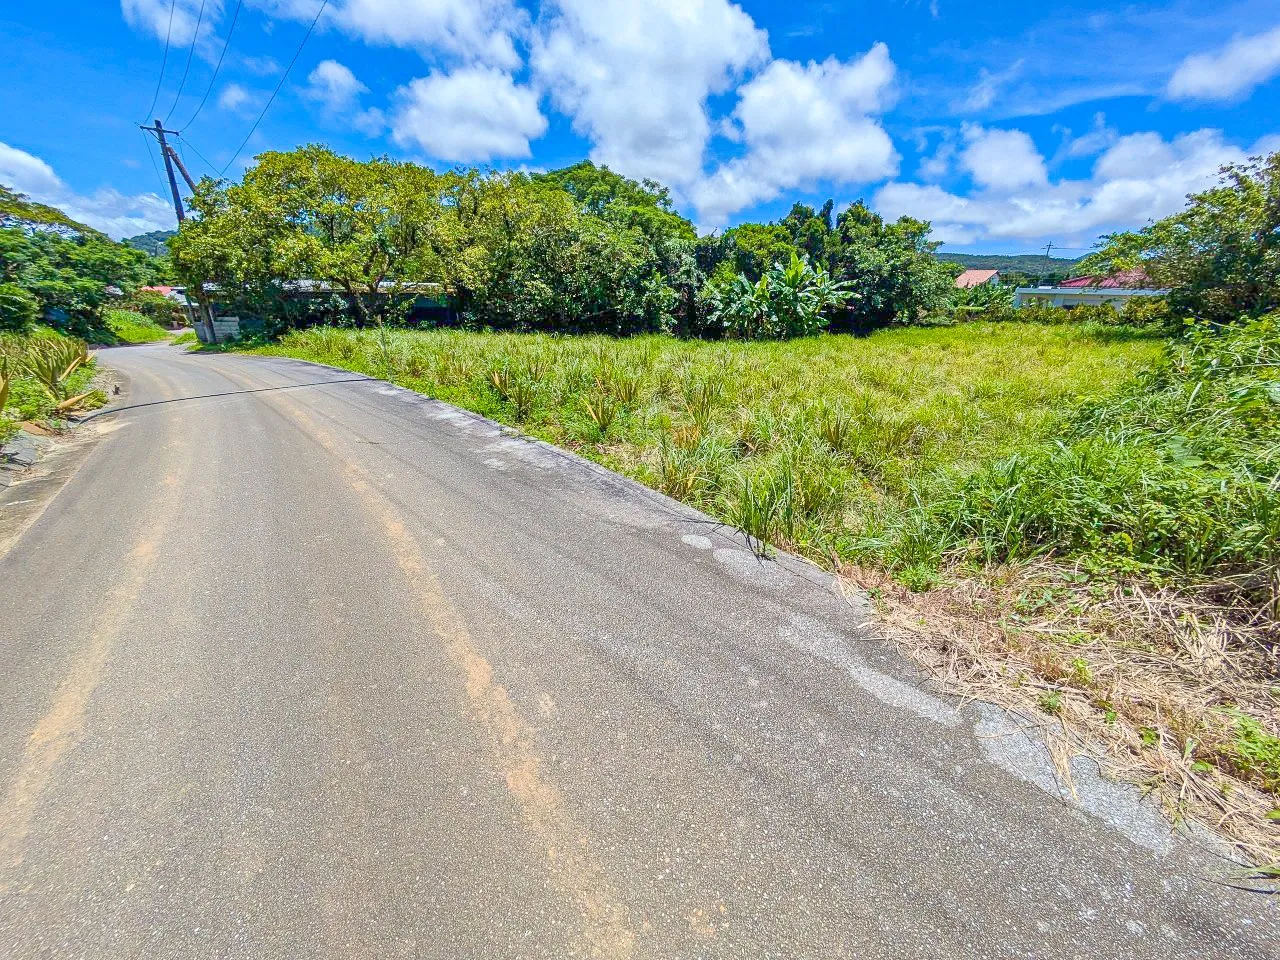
x: 1125, y: 279
x: 974, y: 278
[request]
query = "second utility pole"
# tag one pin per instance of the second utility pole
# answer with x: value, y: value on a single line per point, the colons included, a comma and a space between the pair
x: 160, y: 131
x: 170, y: 156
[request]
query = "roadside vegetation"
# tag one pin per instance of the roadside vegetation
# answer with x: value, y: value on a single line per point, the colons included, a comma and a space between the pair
x: 64, y: 285
x: 129, y: 326
x: 44, y: 377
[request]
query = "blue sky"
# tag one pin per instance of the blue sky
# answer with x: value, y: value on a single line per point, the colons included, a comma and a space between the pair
x: 1006, y: 124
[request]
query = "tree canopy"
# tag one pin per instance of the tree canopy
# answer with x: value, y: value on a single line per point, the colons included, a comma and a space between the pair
x: 578, y: 249
x: 1220, y: 257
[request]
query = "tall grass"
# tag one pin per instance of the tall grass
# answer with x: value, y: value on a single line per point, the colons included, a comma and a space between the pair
x: 827, y: 445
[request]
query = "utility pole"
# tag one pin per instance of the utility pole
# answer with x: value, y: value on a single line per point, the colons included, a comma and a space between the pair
x: 170, y: 158
x: 160, y: 131
x: 182, y: 169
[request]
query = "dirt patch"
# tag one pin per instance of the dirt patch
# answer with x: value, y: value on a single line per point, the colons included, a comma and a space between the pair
x: 1173, y: 691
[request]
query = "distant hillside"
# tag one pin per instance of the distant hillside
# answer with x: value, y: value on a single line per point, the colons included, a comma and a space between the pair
x: 19, y: 210
x: 155, y: 243
x: 1030, y: 263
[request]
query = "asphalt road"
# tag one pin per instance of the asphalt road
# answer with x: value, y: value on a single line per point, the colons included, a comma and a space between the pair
x: 299, y: 665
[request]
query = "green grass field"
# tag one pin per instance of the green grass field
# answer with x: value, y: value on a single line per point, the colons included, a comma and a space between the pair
x: 820, y: 445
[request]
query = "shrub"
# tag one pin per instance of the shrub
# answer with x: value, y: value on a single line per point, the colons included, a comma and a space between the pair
x: 788, y: 301
x: 156, y: 307
x: 1173, y: 475
x: 18, y: 308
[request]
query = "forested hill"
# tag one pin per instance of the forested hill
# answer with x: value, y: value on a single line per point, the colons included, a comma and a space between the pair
x: 18, y: 210
x: 155, y: 243
x: 1028, y: 263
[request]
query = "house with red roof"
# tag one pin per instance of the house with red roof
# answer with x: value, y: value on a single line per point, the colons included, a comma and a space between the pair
x: 1116, y: 290
x: 976, y: 278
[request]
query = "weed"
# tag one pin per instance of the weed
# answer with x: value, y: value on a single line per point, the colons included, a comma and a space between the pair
x: 603, y: 409
x: 1051, y: 702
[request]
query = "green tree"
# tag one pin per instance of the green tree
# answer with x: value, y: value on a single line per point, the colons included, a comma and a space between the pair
x: 531, y: 258
x: 373, y: 230
x: 790, y: 300
x: 759, y: 246
x: 1220, y: 257
x: 18, y: 308
x: 889, y: 266
x: 69, y: 274
x: 645, y: 204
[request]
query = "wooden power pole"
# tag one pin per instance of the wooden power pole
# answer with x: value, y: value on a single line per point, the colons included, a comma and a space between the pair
x: 159, y: 132
x: 171, y: 159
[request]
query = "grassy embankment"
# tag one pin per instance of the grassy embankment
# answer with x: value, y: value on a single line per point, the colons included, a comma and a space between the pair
x: 1093, y: 550
x: 44, y: 376
x: 127, y: 326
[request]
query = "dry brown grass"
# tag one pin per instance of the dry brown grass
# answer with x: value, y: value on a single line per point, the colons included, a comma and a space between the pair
x: 1150, y: 681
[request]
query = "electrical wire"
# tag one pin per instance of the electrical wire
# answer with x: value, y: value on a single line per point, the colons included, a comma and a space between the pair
x: 226, y: 43
x: 182, y: 84
x: 164, y: 62
x: 283, y: 78
x: 152, y: 157
x: 203, y: 159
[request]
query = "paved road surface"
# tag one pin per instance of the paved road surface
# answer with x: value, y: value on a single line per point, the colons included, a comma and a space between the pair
x: 304, y: 666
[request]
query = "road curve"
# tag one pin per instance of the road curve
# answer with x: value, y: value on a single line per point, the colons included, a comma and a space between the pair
x: 301, y: 665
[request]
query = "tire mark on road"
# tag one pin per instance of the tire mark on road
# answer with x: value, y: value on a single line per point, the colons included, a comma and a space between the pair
x: 63, y: 723
x: 573, y: 868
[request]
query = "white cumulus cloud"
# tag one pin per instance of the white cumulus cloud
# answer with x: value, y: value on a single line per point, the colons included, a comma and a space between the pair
x: 801, y: 125
x: 480, y: 31
x: 1141, y: 177
x: 635, y: 77
x: 473, y: 114
x: 107, y: 209
x: 1231, y: 72
x: 1002, y: 159
x: 335, y: 88
x: 154, y: 16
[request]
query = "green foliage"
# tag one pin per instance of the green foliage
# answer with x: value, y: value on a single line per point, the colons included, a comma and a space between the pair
x: 18, y: 308
x: 1220, y: 257
x: 129, y: 327
x: 601, y: 192
x: 19, y: 210
x: 1174, y: 475
x: 788, y: 301
x: 155, y: 243
x: 45, y: 375
x: 889, y: 267
x: 758, y: 247
x: 155, y: 307
x: 69, y: 276
x: 1255, y: 753
x: 988, y: 300
x: 581, y: 249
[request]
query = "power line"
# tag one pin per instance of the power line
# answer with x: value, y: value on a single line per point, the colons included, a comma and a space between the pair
x: 183, y: 139
x: 152, y: 157
x: 182, y: 84
x: 164, y: 61
x: 209, y: 89
x: 279, y: 85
